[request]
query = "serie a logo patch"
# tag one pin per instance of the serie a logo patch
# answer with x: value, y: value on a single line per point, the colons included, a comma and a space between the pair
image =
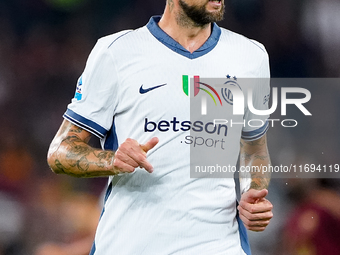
x: 78, y: 95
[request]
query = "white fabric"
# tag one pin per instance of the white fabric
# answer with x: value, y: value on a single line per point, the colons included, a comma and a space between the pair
x: 165, y: 212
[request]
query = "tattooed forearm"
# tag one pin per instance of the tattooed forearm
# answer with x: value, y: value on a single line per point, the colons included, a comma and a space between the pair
x: 76, y: 129
x: 70, y: 154
x: 261, y: 157
x: 245, y: 157
x: 254, y: 155
x: 83, y: 158
x: 60, y: 167
x: 259, y: 182
x: 259, y: 142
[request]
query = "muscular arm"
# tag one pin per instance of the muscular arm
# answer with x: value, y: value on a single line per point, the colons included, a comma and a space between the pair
x: 70, y: 153
x: 254, y: 209
x: 255, y: 153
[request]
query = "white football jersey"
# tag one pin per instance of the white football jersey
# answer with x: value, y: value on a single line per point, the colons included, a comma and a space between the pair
x: 133, y: 87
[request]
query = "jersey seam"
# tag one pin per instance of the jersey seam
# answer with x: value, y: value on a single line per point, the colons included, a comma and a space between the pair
x: 117, y: 97
x: 252, y: 41
x: 264, y: 61
x: 119, y: 37
x: 248, y: 39
x: 84, y: 126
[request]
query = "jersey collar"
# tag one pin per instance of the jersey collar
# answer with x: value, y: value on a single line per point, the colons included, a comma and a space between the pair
x: 164, y: 38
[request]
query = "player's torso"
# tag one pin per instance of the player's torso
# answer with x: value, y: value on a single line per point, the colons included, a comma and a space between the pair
x: 152, y: 96
x: 152, y: 101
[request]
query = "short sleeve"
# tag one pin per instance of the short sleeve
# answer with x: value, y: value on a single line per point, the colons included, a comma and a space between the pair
x: 92, y: 107
x: 257, y: 125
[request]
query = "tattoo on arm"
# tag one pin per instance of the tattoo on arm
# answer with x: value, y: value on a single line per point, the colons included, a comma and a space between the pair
x: 76, y: 129
x: 71, y: 154
x: 79, y: 153
x: 259, y: 181
x: 261, y: 157
x: 60, y: 167
x: 246, y: 157
x: 259, y: 142
x: 255, y: 155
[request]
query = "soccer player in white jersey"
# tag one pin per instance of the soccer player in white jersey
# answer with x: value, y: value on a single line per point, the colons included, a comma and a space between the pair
x: 130, y: 95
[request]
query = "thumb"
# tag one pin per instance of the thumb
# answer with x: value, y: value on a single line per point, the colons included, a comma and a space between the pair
x: 150, y: 144
x: 252, y: 195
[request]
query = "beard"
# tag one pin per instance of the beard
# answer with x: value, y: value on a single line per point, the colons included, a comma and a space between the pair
x: 198, y: 16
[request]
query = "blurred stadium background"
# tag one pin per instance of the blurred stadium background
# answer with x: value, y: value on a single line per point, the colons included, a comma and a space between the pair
x: 43, y: 48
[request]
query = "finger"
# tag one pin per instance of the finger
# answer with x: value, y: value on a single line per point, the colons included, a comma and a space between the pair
x: 146, y: 165
x: 122, y: 167
x: 257, y: 216
x: 125, y: 158
x: 136, y: 152
x: 256, y: 229
x: 253, y: 195
x: 138, y: 158
x: 150, y: 144
x: 260, y: 207
x: 254, y: 224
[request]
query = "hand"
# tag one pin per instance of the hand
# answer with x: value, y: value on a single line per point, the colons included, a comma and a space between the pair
x: 255, y: 211
x: 131, y: 154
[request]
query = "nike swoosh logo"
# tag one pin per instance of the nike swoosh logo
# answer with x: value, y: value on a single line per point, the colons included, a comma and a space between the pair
x: 143, y: 91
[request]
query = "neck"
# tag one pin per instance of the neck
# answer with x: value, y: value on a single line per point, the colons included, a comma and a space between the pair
x: 185, y: 32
